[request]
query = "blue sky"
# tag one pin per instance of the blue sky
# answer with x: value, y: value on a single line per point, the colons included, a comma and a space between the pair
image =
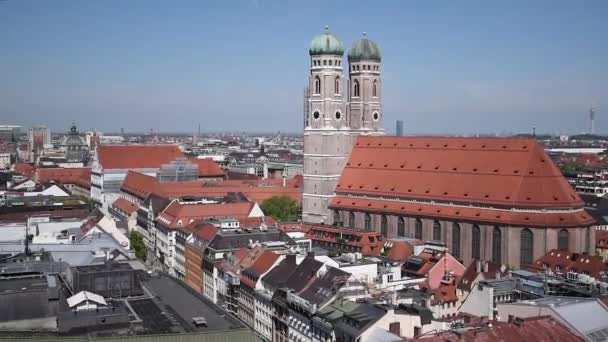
x: 448, y: 66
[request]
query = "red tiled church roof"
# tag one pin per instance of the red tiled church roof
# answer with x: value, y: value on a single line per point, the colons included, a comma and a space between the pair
x: 493, y: 173
x: 137, y: 156
x: 505, y: 172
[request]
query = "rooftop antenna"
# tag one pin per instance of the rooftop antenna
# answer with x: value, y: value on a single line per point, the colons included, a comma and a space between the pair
x: 534, y: 131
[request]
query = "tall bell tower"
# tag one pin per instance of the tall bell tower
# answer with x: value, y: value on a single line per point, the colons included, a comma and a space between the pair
x: 331, y: 123
x: 365, y: 87
x: 327, y: 141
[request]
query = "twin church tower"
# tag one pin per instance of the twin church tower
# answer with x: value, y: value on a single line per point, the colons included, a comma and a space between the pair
x: 335, y: 114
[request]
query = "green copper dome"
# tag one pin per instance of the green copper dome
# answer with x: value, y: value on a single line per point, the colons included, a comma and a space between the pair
x: 326, y: 44
x: 364, y: 49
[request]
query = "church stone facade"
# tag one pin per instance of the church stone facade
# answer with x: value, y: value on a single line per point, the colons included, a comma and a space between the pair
x: 337, y: 111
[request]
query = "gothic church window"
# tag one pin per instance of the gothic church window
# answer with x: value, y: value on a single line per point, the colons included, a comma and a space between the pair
x: 374, y: 89
x: 368, y: 222
x: 337, y: 85
x: 317, y: 85
x: 356, y: 89
x: 526, y: 248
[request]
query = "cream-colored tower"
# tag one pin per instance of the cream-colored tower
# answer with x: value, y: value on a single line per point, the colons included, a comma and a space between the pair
x: 330, y: 128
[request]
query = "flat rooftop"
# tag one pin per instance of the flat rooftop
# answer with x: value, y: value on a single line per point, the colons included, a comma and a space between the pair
x: 183, y: 305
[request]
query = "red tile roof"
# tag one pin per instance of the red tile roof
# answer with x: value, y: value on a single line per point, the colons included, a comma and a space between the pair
x: 496, y: 172
x: 177, y: 212
x: 566, y: 261
x: 367, y: 242
x: 141, y: 185
x: 263, y: 263
x: 501, y: 217
x: 125, y: 206
x: 138, y: 184
x: 471, y: 273
x: 288, y: 227
x: 541, y: 329
x: 80, y: 176
x: 25, y: 169
x: 400, y: 251
x: 206, y: 231
x: 207, y: 167
x: 137, y: 156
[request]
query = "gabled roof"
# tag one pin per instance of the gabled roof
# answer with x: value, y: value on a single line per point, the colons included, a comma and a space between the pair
x: 488, y: 172
x: 251, y: 275
x: 136, y: 156
x: 125, y: 206
x: 205, y: 232
x: 541, y: 329
x: 25, y: 169
x: 177, y: 215
x: 325, y: 287
x: 85, y: 297
x: 303, y: 273
x: 278, y: 276
x: 471, y: 273
x: 207, y: 167
x: 138, y: 184
x: 566, y: 261
x: 78, y: 175
x: 400, y: 251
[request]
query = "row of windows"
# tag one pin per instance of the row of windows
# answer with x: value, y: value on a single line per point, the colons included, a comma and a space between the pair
x: 357, y: 67
x: 356, y: 87
x: 526, y: 237
x: 327, y: 62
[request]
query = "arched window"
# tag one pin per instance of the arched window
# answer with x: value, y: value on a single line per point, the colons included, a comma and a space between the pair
x: 317, y: 85
x: 436, y: 231
x: 497, y: 245
x: 401, y: 227
x: 476, y: 242
x: 418, y: 229
x: 374, y: 89
x: 455, y: 240
x: 368, y: 222
x: 337, y: 85
x: 351, y: 219
x: 356, y: 89
x: 384, y: 226
x: 526, y: 248
x: 562, y: 239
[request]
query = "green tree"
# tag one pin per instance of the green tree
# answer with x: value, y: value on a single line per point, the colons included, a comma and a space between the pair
x: 137, y: 244
x: 282, y: 208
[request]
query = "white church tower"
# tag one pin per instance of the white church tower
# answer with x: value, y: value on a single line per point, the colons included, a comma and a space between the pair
x: 330, y: 128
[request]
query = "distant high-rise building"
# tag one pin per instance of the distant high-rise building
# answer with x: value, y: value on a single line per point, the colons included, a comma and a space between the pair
x: 399, y: 128
x: 9, y: 133
x: 39, y: 137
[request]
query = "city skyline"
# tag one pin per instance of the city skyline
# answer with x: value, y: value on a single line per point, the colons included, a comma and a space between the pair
x: 237, y: 66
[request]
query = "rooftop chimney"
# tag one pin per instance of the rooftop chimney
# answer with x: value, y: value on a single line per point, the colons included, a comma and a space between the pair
x: 478, y: 266
x: 485, y: 267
